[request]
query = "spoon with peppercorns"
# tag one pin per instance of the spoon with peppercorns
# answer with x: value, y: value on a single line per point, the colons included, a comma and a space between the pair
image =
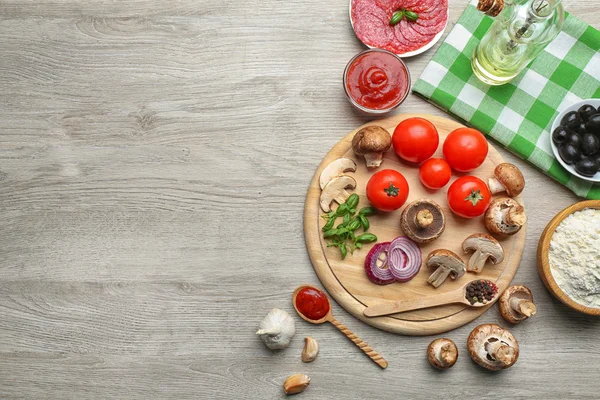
x: 477, y: 293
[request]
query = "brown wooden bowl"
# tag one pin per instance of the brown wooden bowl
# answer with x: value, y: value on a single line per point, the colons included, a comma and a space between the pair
x: 544, y: 265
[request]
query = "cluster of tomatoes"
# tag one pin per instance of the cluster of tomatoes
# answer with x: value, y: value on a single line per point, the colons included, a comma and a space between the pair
x: 415, y: 140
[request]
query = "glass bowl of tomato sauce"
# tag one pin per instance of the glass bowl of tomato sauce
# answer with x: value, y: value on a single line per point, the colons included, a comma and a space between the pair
x: 376, y: 81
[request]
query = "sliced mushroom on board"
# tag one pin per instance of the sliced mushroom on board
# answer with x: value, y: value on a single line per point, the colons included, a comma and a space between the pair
x: 505, y: 216
x: 493, y: 347
x: 423, y: 221
x: 336, y: 191
x: 484, y: 248
x: 371, y: 142
x: 336, y: 168
x: 447, y: 263
x: 516, y: 304
x: 507, y: 178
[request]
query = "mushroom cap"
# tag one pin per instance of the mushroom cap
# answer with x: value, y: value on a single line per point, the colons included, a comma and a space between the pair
x: 442, y: 353
x: 371, y: 139
x: 336, y: 168
x: 448, y: 259
x: 411, y: 228
x: 511, y: 177
x: 486, y: 244
x: 515, y: 291
x: 335, y: 190
x: 498, y: 220
x: 482, y: 336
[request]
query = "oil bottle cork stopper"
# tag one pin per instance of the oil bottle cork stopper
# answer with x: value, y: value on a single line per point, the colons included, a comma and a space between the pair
x: 490, y: 7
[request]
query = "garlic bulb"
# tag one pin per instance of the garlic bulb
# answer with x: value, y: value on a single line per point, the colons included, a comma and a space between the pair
x: 277, y: 329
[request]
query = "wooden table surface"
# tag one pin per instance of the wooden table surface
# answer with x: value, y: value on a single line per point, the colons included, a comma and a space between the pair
x: 154, y: 160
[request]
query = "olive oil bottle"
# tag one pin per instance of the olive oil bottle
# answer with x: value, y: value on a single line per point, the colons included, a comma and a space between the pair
x: 519, y: 33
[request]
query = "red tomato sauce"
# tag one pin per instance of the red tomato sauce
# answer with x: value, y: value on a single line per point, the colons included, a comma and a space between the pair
x: 312, y: 303
x: 377, y: 80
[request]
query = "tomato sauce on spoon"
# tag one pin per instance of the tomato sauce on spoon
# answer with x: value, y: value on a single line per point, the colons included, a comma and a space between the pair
x: 312, y: 303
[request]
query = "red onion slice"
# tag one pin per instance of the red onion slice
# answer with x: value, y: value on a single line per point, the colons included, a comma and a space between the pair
x: 376, y: 264
x: 404, y: 258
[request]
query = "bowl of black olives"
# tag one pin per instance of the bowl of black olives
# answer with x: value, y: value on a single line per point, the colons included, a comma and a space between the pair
x: 576, y: 139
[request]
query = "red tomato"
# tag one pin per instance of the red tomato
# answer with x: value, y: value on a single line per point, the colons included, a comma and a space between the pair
x: 435, y: 173
x: 387, y: 190
x: 465, y: 149
x: 415, y: 139
x: 468, y: 196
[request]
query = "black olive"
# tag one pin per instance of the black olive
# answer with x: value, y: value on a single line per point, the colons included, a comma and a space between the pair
x: 569, y: 153
x: 587, y: 167
x: 570, y: 119
x: 586, y: 111
x: 593, y: 124
x: 574, y: 138
x: 596, y: 157
x: 560, y: 135
x: 590, y: 144
x: 580, y: 128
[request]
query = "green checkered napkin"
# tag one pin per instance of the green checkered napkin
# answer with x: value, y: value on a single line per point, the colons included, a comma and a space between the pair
x: 518, y: 115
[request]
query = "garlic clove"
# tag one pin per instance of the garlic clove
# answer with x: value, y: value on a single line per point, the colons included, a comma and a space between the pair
x: 277, y: 329
x: 311, y: 349
x: 296, y: 383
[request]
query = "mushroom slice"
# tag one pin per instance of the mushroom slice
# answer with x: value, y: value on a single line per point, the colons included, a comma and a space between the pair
x: 484, y: 247
x: 447, y: 263
x: 442, y: 353
x: 516, y: 304
x: 371, y: 142
x: 493, y: 347
x: 423, y: 221
x: 336, y: 168
x: 336, y: 191
x: 505, y: 216
x: 507, y: 177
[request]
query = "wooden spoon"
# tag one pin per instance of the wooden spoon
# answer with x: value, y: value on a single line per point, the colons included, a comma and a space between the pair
x: 373, y: 355
x: 454, y: 296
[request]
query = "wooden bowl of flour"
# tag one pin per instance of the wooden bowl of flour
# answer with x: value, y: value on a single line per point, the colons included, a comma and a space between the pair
x: 543, y: 257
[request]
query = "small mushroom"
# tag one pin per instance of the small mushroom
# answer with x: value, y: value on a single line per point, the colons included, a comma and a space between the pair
x: 507, y: 177
x: 505, y: 216
x: 442, y: 353
x: 336, y: 191
x: 447, y: 263
x: 336, y: 168
x: 516, y: 304
x: 493, y: 347
x: 371, y: 142
x: 484, y: 247
x: 423, y: 221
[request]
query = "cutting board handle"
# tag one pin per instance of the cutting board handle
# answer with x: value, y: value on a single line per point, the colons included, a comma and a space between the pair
x: 373, y: 355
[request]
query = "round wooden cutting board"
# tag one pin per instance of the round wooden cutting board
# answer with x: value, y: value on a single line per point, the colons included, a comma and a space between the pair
x: 346, y: 280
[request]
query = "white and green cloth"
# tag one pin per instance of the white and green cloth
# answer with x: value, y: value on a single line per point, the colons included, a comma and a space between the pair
x: 518, y: 115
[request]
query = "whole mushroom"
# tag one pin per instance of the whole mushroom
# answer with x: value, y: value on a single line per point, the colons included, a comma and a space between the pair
x: 507, y: 178
x: 371, y: 142
x: 447, y: 263
x: 505, y: 216
x: 423, y: 221
x: 516, y: 304
x: 484, y: 248
x: 493, y: 347
x: 442, y: 353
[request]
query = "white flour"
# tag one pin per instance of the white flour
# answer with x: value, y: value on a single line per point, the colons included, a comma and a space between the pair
x: 575, y: 256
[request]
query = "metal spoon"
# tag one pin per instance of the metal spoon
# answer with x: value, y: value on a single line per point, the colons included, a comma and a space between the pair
x: 373, y: 355
x: 457, y: 296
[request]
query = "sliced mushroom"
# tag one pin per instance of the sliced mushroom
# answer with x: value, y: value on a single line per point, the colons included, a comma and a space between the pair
x: 508, y: 178
x: 505, y: 216
x: 371, y: 142
x: 484, y: 247
x: 442, y: 353
x: 493, y: 347
x: 336, y: 191
x: 516, y: 304
x: 423, y: 221
x: 447, y: 263
x: 336, y: 168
